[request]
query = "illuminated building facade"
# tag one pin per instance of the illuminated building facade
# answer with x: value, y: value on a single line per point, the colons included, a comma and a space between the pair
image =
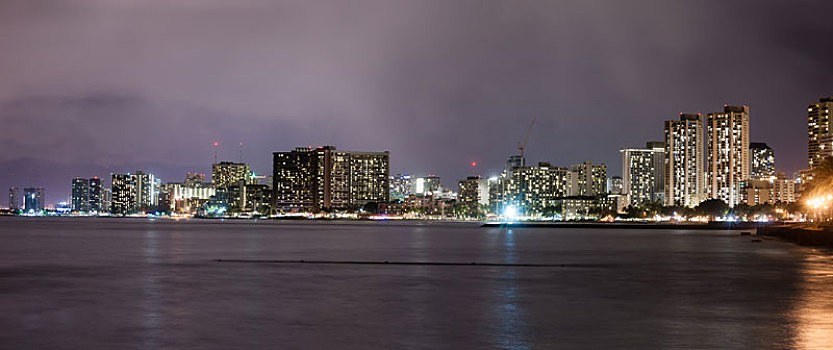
x: 590, y: 179
x: 369, y: 175
x: 784, y: 190
x: 249, y: 198
x: 313, y: 179
x: 293, y: 180
x: 684, y: 175
x: 530, y: 189
x: 14, y: 198
x: 642, y: 173
x: 400, y: 187
x: 763, y: 161
x: 33, y: 199
x: 256, y: 198
x: 756, y: 191
x: 96, y: 195
x: 474, y: 190
x: 805, y: 178
x: 825, y: 147
x: 86, y: 195
x: 80, y: 200
x: 106, y: 198
x: 818, y: 127
x: 146, y: 191
x: 659, y: 169
x: 187, y: 197
x: 122, y: 201
x: 728, y: 153
x: 225, y: 174
x: 586, y: 207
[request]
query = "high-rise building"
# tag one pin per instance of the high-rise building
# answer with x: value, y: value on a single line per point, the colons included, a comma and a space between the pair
x: 590, y: 179
x: 146, y: 191
x: 642, y: 173
x: 123, y: 199
x: 294, y: 176
x: 763, y: 161
x: 818, y: 126
x: 96, y: 195
x: 249, y: 198
x: 684, y: 161
x: 14, y: 198
x: 225, y: 174
x: 369, y: 176
x: 106, y: 199
x: 659, y: 169
x: 325, y: 178
x: 728, y: 153
x: 33, y: 199
x: 474, y: 190
x: 86, y: 195
x: 784, y: 189
x: 80, y: 200
x: 616, y: 185
x: 531, y: 189
x: 825, y: 147
x: 400, y: 187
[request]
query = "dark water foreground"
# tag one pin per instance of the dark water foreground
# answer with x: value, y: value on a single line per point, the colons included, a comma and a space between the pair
x: 113, y: 284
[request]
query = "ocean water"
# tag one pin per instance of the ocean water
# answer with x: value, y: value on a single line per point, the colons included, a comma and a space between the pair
x: 90, y: 283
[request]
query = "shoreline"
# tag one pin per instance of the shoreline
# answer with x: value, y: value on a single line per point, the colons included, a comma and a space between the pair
x: 751, y: 226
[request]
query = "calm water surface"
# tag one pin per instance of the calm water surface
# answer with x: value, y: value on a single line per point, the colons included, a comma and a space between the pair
x: 125, y: 283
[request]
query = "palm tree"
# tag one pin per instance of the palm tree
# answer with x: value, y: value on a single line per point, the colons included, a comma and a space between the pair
x: 819, y: 191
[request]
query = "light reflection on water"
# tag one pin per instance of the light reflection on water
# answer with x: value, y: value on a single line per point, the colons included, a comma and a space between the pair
x: 158, y: 285
x: 814, y: 306
x: 152, y: 319
x: 512, y: 329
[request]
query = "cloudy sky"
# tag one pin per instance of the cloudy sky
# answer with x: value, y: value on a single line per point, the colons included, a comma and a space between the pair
x: 90, y: 87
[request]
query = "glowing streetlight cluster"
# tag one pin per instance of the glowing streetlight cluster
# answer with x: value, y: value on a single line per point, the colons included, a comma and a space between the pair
x: 820, y: 202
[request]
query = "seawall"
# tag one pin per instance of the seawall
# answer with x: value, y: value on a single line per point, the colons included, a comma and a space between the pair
x: 818, y: 236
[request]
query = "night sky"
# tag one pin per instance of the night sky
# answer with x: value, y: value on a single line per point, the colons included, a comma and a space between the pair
x: 90, y: 87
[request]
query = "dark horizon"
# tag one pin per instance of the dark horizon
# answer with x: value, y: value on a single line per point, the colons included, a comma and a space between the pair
x: 91, y: 87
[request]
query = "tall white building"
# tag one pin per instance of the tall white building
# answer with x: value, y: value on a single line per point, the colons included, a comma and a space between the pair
x: 728, y: 153
x: 684, y: 175
x: 642, y: 172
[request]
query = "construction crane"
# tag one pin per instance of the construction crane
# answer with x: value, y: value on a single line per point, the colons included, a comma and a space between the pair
x: 522, y: 145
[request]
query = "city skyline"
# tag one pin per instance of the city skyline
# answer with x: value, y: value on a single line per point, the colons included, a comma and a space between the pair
x: 704, y: 151
x: 80, y: 100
